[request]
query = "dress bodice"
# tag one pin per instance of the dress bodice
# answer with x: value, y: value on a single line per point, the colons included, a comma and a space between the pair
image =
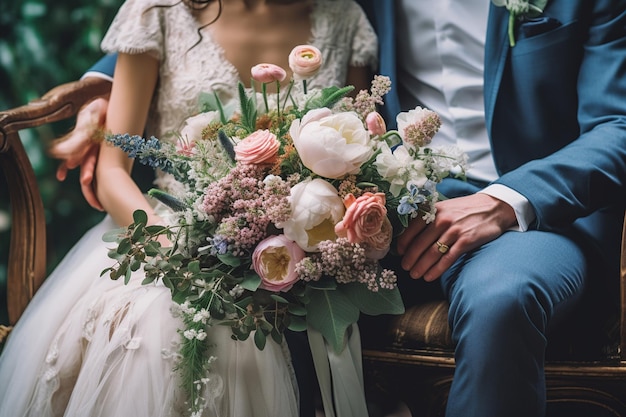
x: 192, y: 62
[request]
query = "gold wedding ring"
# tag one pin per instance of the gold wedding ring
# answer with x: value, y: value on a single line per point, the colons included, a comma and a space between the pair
x: 442, y: 247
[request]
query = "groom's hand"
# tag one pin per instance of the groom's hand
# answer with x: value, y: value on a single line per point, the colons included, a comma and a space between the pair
x: 461, y: 225
x: 80, y: 148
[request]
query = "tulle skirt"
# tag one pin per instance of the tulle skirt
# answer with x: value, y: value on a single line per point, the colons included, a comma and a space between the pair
x: 90, y: 346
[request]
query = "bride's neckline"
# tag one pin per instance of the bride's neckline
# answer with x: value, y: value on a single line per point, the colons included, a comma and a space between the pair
x: 205, y: 35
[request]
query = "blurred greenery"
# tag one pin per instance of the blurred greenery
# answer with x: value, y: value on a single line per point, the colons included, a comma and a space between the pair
x: 44, y: 43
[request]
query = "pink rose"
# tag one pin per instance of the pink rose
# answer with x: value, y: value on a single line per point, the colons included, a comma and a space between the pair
x: 377, y: 246
x: 364, y: 217
x: 305, y: 61
x: 267, y: 73
x: 259, y: 147
x: 375, y: 123
x: 275, y: 259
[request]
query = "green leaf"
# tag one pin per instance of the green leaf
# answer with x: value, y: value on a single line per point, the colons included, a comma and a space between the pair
x: 155, y: 229
x: 114, y: 235
x: 251, y: 281
x: 260, y: 339
x: 331, y: 313
x: 124, y: 246
x: 248, y: 110
x: 194, y: 267
x: 279, y: 299
x: 323, y: 284
x: 127, y: 276
x: 140, y: 217
x: 229, y: 259
x: 373, y: 303
x: 297, y: 309
x: 297, y: 324
x: 167, y: 199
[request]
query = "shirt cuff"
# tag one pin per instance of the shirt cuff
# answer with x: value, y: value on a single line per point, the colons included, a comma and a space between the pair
x: 520, y: 204
x: 96, y: 74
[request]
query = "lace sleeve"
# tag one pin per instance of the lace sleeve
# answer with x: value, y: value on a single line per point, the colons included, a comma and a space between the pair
x: 364, y: 42
x: 137, y: 28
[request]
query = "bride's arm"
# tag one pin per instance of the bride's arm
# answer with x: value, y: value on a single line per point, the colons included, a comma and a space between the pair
x: 133, y: 87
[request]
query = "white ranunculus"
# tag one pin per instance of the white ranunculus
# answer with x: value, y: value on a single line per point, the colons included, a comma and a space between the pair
x: 192, y: 130
x: 316, y: 209
x: 331, y: 145
x: 399, y: 168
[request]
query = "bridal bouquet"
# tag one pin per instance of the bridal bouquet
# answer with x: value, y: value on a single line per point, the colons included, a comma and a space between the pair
x: 287, y: 202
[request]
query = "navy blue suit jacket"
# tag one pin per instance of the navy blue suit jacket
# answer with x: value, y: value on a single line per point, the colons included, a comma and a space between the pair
x: 555, y: 108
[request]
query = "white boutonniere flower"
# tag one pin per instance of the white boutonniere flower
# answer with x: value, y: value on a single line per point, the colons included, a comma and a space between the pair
x: 519, y: 9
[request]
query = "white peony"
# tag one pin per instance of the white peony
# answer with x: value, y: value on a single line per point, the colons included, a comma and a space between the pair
x: 192, y: 130
x: 331, y: 145
x: 400, y: 168
x: 316, y: 209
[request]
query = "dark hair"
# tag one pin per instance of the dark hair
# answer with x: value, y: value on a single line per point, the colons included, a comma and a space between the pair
x: 198, y: 5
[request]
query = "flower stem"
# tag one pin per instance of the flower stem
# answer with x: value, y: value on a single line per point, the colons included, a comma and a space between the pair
x: 512, y: 17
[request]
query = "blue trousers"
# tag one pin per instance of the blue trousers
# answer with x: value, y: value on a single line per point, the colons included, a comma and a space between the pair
x: 503, y: 298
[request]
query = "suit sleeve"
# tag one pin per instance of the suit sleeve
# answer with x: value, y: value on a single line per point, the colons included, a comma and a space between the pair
x: 103, y: 68
x: 589, y: 173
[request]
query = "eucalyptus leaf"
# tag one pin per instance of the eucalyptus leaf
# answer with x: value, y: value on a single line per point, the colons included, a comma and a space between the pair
x: 229, y: 259
x: 140, y: 217
x: 373, y: 303
x: 114, y: 235
x: 296, y: 309
x: 297, y: 324
x: 251, y: 281
x: 279, y: 299
x: 124, y: 246
x: 260, y: 339
x: 331, y: 313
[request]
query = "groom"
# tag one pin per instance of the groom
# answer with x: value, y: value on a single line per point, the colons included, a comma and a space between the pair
x: 541, y: 111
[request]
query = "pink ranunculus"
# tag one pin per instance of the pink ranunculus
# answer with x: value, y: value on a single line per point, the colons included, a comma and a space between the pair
x: 305, y: 61
x: 275, y: 259
x: 260, y: 147
x: 377, y: 246
x: 375, y: 123
x: 267, y: 73
x: 364, y: 217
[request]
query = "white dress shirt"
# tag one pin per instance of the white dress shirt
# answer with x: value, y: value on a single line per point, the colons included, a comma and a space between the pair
x: 441, y: 49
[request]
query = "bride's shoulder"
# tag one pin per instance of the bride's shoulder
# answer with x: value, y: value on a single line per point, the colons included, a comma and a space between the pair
x: 338, y: 8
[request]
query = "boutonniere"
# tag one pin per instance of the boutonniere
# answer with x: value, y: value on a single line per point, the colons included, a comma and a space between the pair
x: 519, y: 9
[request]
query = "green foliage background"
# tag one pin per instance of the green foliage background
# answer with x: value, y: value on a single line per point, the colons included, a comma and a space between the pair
x: 44, y: 43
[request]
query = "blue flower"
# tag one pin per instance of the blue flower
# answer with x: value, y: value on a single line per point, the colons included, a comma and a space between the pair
x: 146, y: 152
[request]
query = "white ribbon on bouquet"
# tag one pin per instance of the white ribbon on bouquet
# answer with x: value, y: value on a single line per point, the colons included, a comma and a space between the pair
x: 340, y: 375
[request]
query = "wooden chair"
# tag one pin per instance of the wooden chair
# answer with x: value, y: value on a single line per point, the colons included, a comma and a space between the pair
x: 412, y: 356
x: 27, y: 249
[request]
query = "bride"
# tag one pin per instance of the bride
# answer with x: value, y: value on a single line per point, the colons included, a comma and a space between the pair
x: 90, y: 346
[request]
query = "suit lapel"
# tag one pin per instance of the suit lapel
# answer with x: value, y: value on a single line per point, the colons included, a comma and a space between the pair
x: 496, y: 49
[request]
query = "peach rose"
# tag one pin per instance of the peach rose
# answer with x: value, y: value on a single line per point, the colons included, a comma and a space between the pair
x: 259, y: 147
x: 267, y: 73
x: 275, y: 259
x: 364, y: 217
x: 305, y: 61
x: 377, y: 246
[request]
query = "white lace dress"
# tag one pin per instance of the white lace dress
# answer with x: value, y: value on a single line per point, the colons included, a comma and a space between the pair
x: 88, y: 346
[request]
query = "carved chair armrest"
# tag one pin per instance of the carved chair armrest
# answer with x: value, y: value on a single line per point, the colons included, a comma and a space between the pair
x: 27, y: 248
